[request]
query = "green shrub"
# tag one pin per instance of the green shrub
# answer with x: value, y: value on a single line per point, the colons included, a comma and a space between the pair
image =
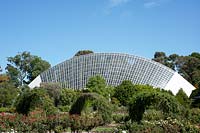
x: 152, y: 114
x: 124, y: 92
x: 8, y: 110
x: 93, y: 105
x: 64, y: 108
x: 36, y: 98
x: 68, y: 97
x: 118, y: 118
x: 195, y: 115
x: 152, y: 98
x: 168, y: 125
x: 183, y: 98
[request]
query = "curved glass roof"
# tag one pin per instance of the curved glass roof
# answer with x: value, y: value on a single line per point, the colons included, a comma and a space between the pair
x: 114, y: 67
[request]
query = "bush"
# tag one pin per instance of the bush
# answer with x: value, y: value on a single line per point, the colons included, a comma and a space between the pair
x: 152, y: 114
x: 64, y: 108
x: 159, y: 100
x: 94, y: 105
x: 8, y: 110
x: 183, y: 98
x: 36, y: 121
x: 68, y: 97
x: 195, y: 115
x: 36, y: 98
x: 165, y: 126
x: 119, y: 118
x: 53, y: 90
x: 85, y: 121
x: 124, y: 92
x: 8, y: 94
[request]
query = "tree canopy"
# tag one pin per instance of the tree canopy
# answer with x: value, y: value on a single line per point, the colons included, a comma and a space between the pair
x: 83, y: 52
x: 24, y: 67
x: 187, y: 66
x: 124, y: 92
x: 98, y: 85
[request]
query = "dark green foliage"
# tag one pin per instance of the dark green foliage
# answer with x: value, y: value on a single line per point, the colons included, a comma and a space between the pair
x: 8, y: 94
x: 97, y: 84
x: 37, y: 98
x: 37, y: 66
x: 18, y: 67
x: 78, y: 106
x: 92, y: 102
x: 24, y: 67
x: 67, y: 98
x: 195, y: 115
x: 13, y: 74
x: 163, y: 59
x: 196, y: 55
x: 90, y: 110
x: 183, y: 98
x: 119, y: 118
x: 195, y: 97
x: 124, y: 92
x: 83, y: 52
x: 143, y: 100
x: 54, y: 91
x: 187, y: 66
x: 170, y: 61
x: 154, y: 110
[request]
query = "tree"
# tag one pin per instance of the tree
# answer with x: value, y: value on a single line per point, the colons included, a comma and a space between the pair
x: 172, y: 61
x: 187, y: 66
x: 160, y: 57
x: 8, y: 94
x: 37, y: 65
x: 68, y: 96
x: 24, y: 67
x: 13, y: 74
x: 83, y: 52
x: 54, y: 90
x: 3, y: 77
x: 124, y: 92
x: 195, y: 97
x: 196, y: 55
x: 97, y: 84
x: 183, y: 98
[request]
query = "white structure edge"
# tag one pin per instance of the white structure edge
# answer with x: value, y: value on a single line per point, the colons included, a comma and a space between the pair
x: 177, y: 82
x: 36, y: 82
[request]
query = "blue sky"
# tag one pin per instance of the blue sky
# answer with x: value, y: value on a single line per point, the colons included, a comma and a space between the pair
x: 56, y: 29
